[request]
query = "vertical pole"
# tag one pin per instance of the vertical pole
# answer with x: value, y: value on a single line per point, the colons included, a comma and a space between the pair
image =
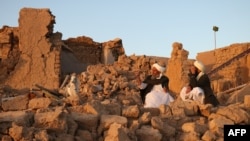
x: 214, y: 40
x: 215, y: 29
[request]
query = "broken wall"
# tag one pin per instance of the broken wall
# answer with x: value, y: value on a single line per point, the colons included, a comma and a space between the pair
x: 32, y: 54
x: 177, y: 69
x: 9, y: 50
x: 234, y: 74
x: 90, y: 52
x: 111, y: 50
x: 208, y: 58
x: 36, y: 64
x: 85, y: 49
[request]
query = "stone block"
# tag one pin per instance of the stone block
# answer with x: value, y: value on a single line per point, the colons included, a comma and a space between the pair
x: 19, y: 133
x: 22, y: 118
x: 116, y: 132
x: 15, y: 103
x: 112, y: 109
x: 107, y: 120
x: 153, y: 111
x: 52, y: 120
x: 84, y: 135
x: 85, y: 121
x: 38, y: 103
x: 131, y: 111
x: 165, y: 111
x: 147, y: 133
x: 41, y: 135
x: 145, y: 118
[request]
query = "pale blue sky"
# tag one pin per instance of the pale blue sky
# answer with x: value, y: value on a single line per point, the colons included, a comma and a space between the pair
x: 146, y: 27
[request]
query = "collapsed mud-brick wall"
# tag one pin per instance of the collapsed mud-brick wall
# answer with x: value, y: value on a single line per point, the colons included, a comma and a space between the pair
x: 236, y: 71
x: 32, y: 54
x: 39, y: 60
x: 9, y: 51
x: 177, y: 69
x: 90, y: 52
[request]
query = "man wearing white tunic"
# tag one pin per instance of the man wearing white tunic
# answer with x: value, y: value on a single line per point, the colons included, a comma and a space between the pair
x: 154, y: 89
x: 198, y: 78
x: 188, y: 93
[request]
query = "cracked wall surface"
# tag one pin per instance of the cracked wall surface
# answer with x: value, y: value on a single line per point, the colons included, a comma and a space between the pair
x: 37, y: 55
x: 32, y: 54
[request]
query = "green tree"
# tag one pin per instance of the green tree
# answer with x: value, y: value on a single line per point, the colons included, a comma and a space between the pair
x: 215, y: 29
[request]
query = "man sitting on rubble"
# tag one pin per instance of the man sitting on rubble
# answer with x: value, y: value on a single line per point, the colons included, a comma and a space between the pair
x: 154, y: 89
x: 198, y: 78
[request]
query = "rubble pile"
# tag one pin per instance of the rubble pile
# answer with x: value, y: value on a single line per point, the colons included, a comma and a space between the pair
x: 33, y: 54
x: 105, y: 105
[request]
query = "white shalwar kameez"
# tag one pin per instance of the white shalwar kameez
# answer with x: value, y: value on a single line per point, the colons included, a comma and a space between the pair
x: 196, y: 94
x: 157, y: 97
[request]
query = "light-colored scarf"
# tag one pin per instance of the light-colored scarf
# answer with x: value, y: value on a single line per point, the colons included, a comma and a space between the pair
x: 199, y: 75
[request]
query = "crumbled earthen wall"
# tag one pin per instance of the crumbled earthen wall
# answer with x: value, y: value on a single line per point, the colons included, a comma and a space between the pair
x: 36, y: 64
x: 236, y: 73
x: 177, y: 68
x: 111, y: 50
x: 32, y: 50
x: 32, y: 54
x: 85, y: 49
x: 207, y: 58
x: 9, y: 50
x: 90, y: 52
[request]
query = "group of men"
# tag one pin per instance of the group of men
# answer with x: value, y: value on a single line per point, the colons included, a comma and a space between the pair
x: 154, y: 89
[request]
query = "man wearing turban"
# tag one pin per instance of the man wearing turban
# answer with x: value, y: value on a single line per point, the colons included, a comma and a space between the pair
x: 154, y: 89
x: 198, y: 78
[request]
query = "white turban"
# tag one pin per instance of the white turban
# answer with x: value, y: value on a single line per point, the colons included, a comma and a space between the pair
x: 199, y: 65
x: 158, y: 67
